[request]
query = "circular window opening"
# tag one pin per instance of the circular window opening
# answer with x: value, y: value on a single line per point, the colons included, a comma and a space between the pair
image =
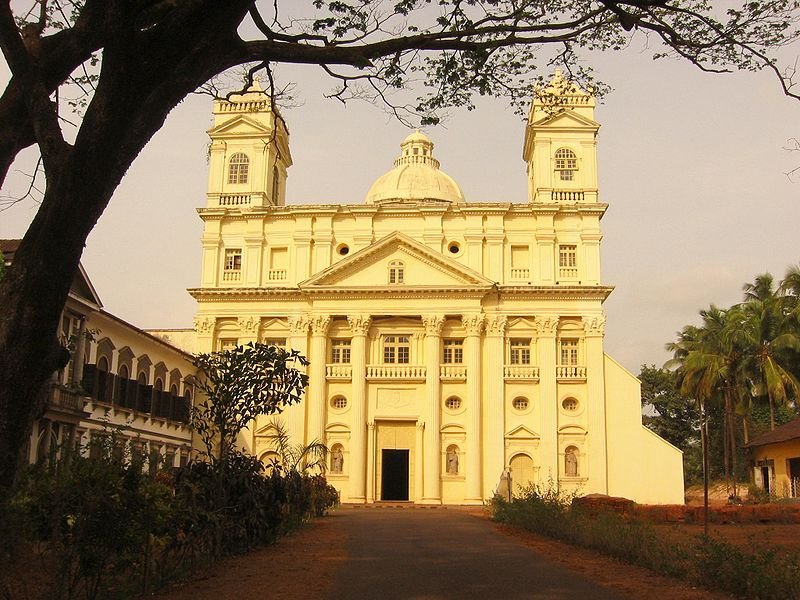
x: 520, y: 403
x: 454, y: 248
x: 453, y: 403
x: 339, y: 402
x: 570, y: 404
x: 344, y: 250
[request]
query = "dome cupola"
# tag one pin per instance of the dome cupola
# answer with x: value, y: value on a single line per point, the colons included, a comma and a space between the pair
x: 415, y: 178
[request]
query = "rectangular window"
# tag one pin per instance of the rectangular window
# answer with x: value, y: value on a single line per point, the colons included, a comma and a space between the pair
x: 277, y: 342
x: 569, y: 352
x: 568, y: 256
x: 227, y: 344
x: 340, y: 351
x: 396, y: 349
x: 233, y: 259
x: 453, y: 351
x: 520, y: 351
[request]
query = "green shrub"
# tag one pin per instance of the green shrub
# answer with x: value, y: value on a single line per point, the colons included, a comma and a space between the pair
x: 760, y: 573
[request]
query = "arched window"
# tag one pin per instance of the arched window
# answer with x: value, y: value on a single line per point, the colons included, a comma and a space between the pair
x: 122, y: 385
x: 396, y: 272
x: 566, y: 164
x: 238, y: 168
x: 571, y: 462
x: 103, y: 380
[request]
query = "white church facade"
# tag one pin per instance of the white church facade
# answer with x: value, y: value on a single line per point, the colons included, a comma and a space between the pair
x: 452, y: 344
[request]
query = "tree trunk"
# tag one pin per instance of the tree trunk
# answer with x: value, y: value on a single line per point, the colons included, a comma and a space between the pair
x: 143, y: 77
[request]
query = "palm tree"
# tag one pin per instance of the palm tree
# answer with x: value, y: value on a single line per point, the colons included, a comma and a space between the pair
x: 709, y: 361
x: 765, y: 327
x: 298, y: 457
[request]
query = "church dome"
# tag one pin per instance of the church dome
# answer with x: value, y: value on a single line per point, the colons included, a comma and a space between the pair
x: 415, y: 177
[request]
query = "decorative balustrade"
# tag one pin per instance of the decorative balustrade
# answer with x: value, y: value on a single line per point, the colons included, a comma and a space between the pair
x: 568, y: 273
x: 234, y: 199
x: 249, y: 106
x: 338, y: 371
x: 521, y: 372
x: 452, y: 372
x: 65, y: 399
x: 415, y: 372
x: 567, y: 196
x: 276, y: 275
x: 570, y: 373
x: 231, y: 276
x: 520, y: 273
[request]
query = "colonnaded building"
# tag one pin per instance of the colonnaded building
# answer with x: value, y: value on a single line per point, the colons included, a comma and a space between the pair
x: 453, y: 344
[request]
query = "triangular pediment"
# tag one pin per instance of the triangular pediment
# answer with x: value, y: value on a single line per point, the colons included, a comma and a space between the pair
x: 566, y: 119
x: 423, y: 268
x: 241, y: 126
x: 522, y: 433
x: 83, y: 290
x: 268, y: 430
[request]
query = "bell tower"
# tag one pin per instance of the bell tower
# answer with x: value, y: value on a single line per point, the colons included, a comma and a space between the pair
x: 249, y: 152
x: 561, y: 144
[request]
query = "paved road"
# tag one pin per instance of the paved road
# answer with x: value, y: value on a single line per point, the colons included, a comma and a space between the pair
x: 443, y: 554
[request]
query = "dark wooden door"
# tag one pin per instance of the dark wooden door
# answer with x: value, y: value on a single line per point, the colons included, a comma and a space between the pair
x: 394, y: 475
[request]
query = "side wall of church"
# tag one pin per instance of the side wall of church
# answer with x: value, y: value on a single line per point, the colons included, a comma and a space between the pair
x: 642, y: 466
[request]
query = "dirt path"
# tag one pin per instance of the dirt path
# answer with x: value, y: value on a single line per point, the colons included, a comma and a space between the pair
x: 305, y: 566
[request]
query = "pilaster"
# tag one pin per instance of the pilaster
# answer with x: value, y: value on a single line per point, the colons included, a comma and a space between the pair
x: 316, y: 388
x: 204, y: 328
x: 473, y: 323
x: 418, y: 461
x: 548, y: 448
x: 371, y: 461
x: 359, y: 325
x: 495, y: 409
x: 296, y: 413
x: 594, y: 327
x: 432, y: 487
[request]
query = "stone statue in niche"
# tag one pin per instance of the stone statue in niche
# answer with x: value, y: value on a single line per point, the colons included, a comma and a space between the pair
x: 452, y: 461
x: 570, y: 462
x: 337, y: 460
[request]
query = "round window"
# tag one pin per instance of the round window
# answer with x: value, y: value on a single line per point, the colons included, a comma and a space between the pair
x: 339, y: 402
x: 453, y: 403
x: 343, y: 250
x: 520, y: 403
x: 454, y: 247
x: 570, y: 404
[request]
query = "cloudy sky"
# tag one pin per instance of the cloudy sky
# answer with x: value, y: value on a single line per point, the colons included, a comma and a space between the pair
x: 693, y: 167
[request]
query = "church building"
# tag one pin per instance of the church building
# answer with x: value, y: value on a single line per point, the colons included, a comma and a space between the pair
x: 455, y: 347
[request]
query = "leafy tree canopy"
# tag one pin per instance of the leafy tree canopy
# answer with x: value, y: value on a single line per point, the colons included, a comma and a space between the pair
x: 240, y: 384
x: 669, y: 413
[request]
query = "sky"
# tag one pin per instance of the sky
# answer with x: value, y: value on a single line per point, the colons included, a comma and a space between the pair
x: 693, y: 167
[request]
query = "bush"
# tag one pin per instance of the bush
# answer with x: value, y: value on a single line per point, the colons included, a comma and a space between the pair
x: 106, y: 529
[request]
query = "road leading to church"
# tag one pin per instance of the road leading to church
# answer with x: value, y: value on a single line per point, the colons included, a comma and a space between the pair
x: 419, y: 554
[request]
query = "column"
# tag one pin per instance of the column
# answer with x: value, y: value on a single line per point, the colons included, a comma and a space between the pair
x: 473, y: 324
x: 432, y: 485
x: 359, y: 325
x: 418, y: 461
x: 79, y: 354
x: 495, y: 404
x: 594, y: 327
x: 316, y: 385
x: 370, y: 462
x: 296, y: 413
x: 548, y: 446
